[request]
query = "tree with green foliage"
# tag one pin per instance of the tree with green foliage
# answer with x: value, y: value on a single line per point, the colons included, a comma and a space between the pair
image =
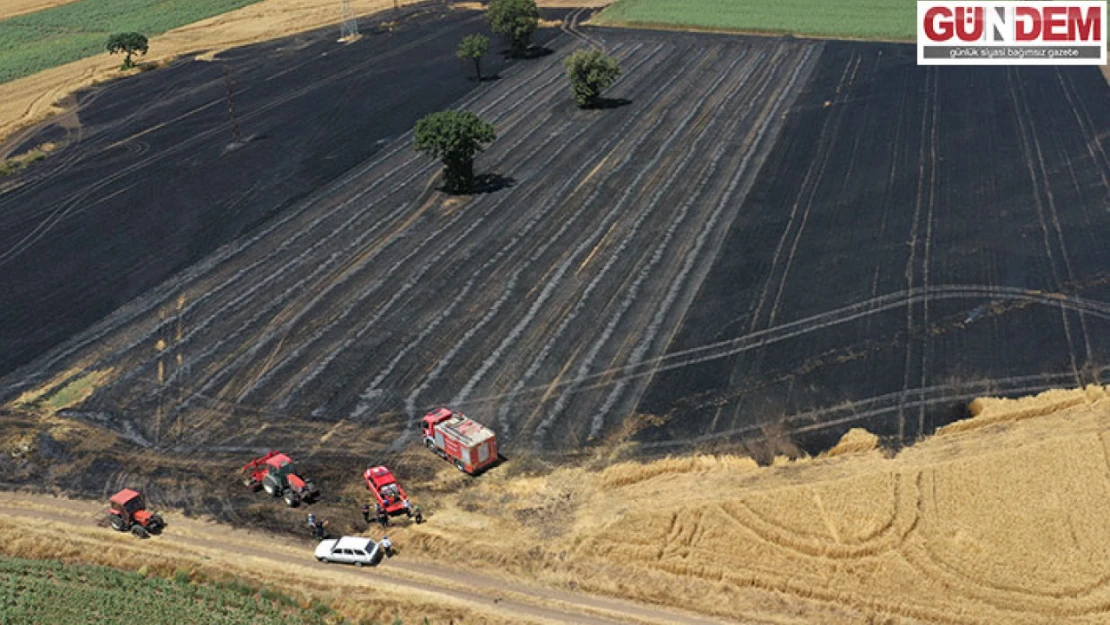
x: 516, y: 20
x: 590, y: 72
x: 128, y: 43
x: 454, y: 137
x: 474, y: 47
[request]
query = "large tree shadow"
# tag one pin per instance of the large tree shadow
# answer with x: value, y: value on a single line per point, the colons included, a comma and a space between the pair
x: 607, y: 103
x: 492, y: 183
x: 533, y: 52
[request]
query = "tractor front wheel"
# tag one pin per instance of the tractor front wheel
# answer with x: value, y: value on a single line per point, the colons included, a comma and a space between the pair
x: 139, y: 531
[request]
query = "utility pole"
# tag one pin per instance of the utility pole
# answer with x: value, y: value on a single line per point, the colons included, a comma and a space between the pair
x: 236, y: 136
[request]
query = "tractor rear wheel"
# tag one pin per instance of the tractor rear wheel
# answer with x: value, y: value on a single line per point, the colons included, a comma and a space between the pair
x: 270, y: 489
x: 117, y: 522
x: 292, y: 499
x: 459, y: 465
x: 139, y: 531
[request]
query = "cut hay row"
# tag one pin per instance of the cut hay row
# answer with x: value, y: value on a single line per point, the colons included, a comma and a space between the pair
x: 677, y: 170
x: 524, y: 378
x: 518, y: 237
x: 294, y: 387
x: 652, y: 328
x: 598, y: 417
x: 555, y: 275
x: 661, y: 95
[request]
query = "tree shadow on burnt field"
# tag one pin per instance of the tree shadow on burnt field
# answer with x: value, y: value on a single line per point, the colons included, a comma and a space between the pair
x: 488, y: 183
x: 603, y: 104
x: 533, y: 52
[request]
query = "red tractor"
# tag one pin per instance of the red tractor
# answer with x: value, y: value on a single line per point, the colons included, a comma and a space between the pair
x: 388, y: 493
x: 471, y: 446
x: 127, y: 512
x: 276, y: 474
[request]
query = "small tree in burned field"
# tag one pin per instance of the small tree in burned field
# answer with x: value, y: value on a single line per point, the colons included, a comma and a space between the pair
x: 128, y: 43
x: 590, y: 72
x: 454, y: 137
x: 516, y: 20
x: 474, y: 47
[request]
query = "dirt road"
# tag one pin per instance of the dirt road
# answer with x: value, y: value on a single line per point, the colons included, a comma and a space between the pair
x: 203, y: 541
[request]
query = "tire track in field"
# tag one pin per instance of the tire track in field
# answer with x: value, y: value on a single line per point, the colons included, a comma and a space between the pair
x: 1054, y: 216
x: 925, y: 157
x: 1029, y: 144
x: 553, y: 281
x: 677, y: 170
x: 826, y: 152
x: 773, y: 109
x: 822, y: 149
x: 1083, y: 120
x: 301, y: 260
x: 801, y: 327
x: 294, y: 387
x: 545, y: 351
x: 589, y: 242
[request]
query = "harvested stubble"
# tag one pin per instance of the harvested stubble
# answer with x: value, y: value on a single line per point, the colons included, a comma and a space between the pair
x: 1005, y: 524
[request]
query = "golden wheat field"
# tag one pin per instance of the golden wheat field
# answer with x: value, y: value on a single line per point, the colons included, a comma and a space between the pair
x: 1004, y: 518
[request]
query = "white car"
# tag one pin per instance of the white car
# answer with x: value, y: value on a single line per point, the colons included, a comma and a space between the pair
x: 354, y: 550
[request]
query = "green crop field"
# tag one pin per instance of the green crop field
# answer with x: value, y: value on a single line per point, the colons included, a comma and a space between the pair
x: 43, y: 591
x: 36, y: 41
x: 863, y: 19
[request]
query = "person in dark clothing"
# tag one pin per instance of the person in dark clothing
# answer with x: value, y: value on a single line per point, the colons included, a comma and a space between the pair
x: 366, y: 513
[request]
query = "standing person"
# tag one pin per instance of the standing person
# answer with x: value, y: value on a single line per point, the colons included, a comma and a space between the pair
x: 320, y: 531
x: 387, y: 546
x: 417, y: 515
x: 366, y: 513
x: 383, y: 518
x: 407, y: 507
x: 312, y: 523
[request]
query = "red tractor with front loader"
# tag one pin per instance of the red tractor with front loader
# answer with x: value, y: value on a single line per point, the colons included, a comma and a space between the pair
x: 276, y: 474
x: 127, y: 513
x: 469, y: 445
x: 387, y: 492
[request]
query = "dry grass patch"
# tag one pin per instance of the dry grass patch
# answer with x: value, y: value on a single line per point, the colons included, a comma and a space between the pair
x: 1006, y: 524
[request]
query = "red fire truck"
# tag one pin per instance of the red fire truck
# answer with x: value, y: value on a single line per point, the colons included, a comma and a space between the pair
x: 471, y: 446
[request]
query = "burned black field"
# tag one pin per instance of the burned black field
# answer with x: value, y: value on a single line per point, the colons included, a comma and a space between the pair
x: 151, y: 180
x: 918, y: 237
x: 768, y: 239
